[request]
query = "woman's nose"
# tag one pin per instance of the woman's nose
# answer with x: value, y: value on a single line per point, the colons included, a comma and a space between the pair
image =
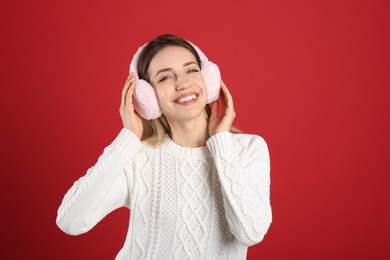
x: 182, y: 83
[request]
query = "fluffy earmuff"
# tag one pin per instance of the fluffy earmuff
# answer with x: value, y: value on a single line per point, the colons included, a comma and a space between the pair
x: 146, y: 103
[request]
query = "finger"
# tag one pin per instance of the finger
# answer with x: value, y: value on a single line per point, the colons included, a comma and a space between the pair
x: 130, y: 92
x: 214, y: 110
x: 227, y: 97
x: 225, y: 90
x: 124, y: 90
x: 129, y: 84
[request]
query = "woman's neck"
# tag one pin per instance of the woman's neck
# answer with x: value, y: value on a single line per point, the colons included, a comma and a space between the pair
x: 190, y: 133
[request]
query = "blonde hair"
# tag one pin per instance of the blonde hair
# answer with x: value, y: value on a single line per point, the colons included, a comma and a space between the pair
x: 156, y: 130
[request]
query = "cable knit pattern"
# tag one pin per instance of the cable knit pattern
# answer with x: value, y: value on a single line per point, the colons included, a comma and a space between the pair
x: 209, y: 202
x: 245, y: 180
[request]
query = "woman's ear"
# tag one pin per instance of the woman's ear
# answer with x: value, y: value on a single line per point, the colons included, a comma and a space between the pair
x: 146, y: 103
x: 212, y: 78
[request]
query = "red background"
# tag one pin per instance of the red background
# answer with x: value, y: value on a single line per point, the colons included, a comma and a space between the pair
x: 311, y: 77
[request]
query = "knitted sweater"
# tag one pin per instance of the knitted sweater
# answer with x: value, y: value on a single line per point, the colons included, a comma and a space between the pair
x: 210, y: 202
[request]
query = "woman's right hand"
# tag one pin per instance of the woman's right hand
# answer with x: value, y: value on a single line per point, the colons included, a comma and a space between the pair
x: 131, y: 120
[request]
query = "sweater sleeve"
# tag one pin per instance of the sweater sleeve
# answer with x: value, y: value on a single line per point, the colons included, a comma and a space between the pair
x: 102, y: 189
x: 243, y: 168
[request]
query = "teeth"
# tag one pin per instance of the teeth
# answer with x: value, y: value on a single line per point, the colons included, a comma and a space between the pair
x: 187, y: 98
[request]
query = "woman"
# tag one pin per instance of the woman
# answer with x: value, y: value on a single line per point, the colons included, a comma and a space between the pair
x: 195, y: 190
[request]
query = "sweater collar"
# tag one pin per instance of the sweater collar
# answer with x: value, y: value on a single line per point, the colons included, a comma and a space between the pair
x: 177, y: 149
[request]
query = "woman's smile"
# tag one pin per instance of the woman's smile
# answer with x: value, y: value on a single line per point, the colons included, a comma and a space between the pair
x: 187, y: 99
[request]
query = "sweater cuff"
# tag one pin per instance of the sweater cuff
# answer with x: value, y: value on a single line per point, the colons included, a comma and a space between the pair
x: 220, y: 143
x: 126, y: 143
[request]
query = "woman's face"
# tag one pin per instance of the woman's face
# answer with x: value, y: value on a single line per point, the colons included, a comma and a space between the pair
x: 178, y: 82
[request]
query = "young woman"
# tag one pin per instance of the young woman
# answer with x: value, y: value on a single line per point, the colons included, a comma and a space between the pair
x: 195, y: 188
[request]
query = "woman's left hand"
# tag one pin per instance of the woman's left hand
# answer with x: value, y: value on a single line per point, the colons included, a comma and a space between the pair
x: 224, y: 122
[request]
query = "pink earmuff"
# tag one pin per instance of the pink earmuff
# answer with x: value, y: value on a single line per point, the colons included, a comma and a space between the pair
x: 146, y: 101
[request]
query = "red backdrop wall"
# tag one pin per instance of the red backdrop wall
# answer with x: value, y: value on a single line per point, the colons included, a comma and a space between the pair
x: 311, y: 77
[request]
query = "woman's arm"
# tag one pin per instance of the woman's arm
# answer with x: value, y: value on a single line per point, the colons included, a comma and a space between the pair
x: 243, y: 167
x: 102, y: 189
x: 105, y: 186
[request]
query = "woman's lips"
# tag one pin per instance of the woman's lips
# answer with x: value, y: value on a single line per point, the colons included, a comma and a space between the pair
x: 186, y: 98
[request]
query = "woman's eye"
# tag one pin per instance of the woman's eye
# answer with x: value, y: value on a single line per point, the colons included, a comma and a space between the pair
x: 164, y: 78
x: 193, y: 70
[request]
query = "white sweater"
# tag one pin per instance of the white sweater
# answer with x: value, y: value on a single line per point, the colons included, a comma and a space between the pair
x: 209, y: 202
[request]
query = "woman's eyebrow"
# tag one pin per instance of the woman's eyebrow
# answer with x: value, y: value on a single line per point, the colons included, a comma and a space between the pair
x: 162, y: 70
x: 189, y: 63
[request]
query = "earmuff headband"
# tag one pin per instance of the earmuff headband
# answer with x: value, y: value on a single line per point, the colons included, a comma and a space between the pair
x: 146, y: 101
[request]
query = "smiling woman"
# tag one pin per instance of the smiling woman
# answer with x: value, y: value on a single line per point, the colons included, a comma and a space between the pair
x: 195, y: 188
